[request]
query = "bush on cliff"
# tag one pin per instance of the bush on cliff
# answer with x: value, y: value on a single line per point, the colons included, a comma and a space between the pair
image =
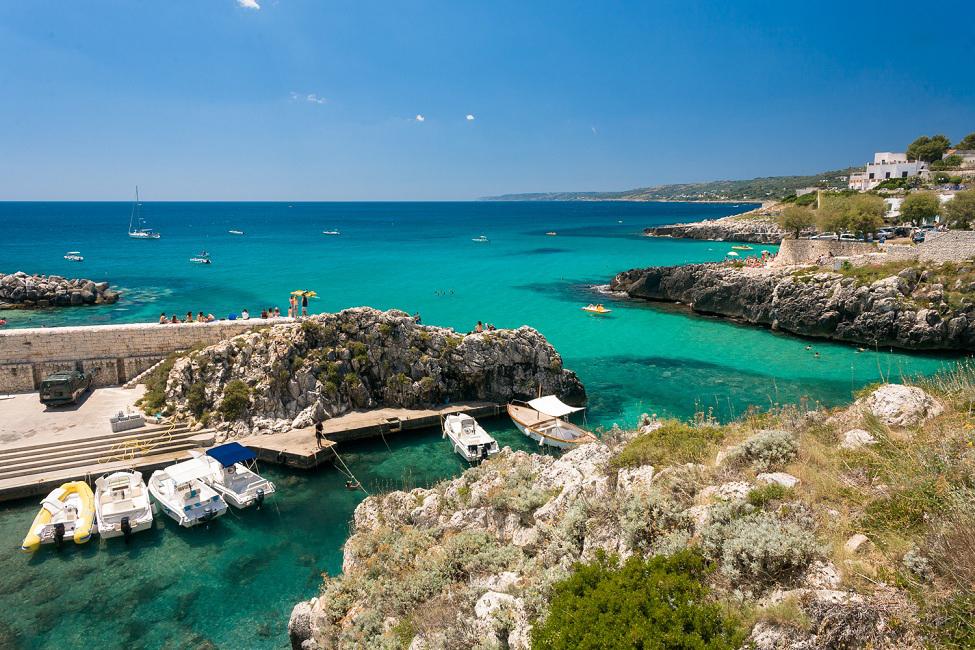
x: 196, y: 399
x: 236, y: 399
x: 674, y: 443
x: 657, y: 603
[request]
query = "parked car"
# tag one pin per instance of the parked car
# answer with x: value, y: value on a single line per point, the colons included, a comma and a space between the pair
x: 64, y: 387
x: 825, y: 235
x: 918, y: 237
x: 848, y: 237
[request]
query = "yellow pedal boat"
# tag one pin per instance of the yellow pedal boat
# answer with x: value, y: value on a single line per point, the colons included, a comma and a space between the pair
x: 68, y: 511
x: 596, y: 309
x: 743, y: 248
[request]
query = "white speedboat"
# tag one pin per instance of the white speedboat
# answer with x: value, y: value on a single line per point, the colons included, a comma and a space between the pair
x: 202, y: 257
x: 470, y: 441
x: 74, y: 256
x: 331, y: 232
x: 183, y: 495
x: 481, y: 239
x: 122, y: 504
x: 137, y: 225
x: 543, y: 419
x: 236, y: 232
x: 233, y: 474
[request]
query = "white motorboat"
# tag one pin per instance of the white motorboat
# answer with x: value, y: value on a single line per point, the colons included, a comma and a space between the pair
x: 481, y: 239
x: 74, y: 256
x: 183, y: 495
x: 469, y: 439
x: 236, y: 232
x: 137, y: 225
x: 202, y: 257
x: 233, y: 473
x: 331, y: 232
x: 122, y: 505
x: 543, y: 419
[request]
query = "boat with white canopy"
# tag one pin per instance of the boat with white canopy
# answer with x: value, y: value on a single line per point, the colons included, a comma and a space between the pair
x: 183, y: 495
x: 74, y: 256
x: 544, y: 419
x: 470, y: 440
x: 122, y: 504
x: 233, y: 473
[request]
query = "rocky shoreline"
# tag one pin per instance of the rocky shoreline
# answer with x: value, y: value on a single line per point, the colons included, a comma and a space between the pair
x: 757, y: 227
x: 22, y: 291
x: 916, y: 308
x: 473, y: 561
x: 292, y: 375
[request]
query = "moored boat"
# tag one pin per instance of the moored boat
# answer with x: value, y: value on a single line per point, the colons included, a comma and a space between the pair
x: 543, y: 419
x: 74, y: 256
x: 182, y: 494
x: 137, y: 225
x: 233, y: 474
x: 331, y: 232
x: 202, y: 257
x: 68, y: 512
x: 122, y: 504
x: 596, y: 309
x: 469, y: 439
x: 236, y: 232
x: 481, y: 239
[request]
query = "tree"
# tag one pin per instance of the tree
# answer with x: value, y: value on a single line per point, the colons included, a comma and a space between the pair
x: 928, y: 149
x: 653, y: 604
x: 920, y: 207
x: 967, y: 143
x: 795, y: 219
x: 960, y: 211
x: 865, y: 213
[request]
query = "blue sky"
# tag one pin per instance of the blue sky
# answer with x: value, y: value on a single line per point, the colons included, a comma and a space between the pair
x: 317, y: 100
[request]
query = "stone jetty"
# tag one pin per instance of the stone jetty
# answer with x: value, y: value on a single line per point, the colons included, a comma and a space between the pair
x: 23, y: 291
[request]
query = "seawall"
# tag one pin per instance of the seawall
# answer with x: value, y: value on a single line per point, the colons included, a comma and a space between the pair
x: 114, y: 354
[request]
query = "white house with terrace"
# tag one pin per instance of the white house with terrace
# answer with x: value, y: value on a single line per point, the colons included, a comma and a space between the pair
x: 885, y: 166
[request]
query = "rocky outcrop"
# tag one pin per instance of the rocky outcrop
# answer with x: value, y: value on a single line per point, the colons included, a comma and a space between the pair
x: 753, y: 229
x: 902, y: 311
x: 899, y: 406
x: 23, y: 291
x: 295, y: 374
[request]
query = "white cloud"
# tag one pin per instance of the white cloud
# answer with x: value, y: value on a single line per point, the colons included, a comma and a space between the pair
x: 248, y: 4
x: 470, y: 118
x: 420, y: 118
x: 594, y: 131
x: 315, y: 99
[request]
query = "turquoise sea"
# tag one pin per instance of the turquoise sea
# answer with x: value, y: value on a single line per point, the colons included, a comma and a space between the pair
x: 233, y: 585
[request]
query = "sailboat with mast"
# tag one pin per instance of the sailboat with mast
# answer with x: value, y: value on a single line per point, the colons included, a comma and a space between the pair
x: 139, y: 231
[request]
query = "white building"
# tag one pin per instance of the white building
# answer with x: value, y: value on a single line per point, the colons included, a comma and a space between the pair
x: 885, y: 165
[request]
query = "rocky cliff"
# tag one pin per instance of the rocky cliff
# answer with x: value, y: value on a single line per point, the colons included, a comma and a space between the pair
x: 917, y: 308
x: 295, y: 374
x: 20, y: 290
x: 758, y: 226
x: 778, y: 503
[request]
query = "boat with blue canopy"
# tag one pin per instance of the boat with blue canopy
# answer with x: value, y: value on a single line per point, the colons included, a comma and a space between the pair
x: 233, y: 474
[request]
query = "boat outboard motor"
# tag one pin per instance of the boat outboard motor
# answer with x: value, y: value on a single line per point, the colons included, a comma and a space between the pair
x: 208, y: 515
x: 58, y: 534
x: 126, y: 528
x: 260, y: 497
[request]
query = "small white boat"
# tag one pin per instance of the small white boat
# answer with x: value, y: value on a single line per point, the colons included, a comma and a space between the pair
x: 236, y: 232
x: 233, y: 474
x: 481, y: 239
x: 470, y: 440
x: 543, y: 419
x: 202, y: 257
x: 551, y: 233
x: 331, y: 232
x: 74, y: 256
x: 732, y: 254
x: 183, y: 496
x: 122, y: 505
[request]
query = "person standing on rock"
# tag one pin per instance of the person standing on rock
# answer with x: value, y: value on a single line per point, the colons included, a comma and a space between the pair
x: 304, y: 305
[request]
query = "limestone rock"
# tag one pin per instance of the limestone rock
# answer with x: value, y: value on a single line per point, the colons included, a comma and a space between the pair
x: 20, y: 290
x: 856, y: 543
x: 782, y: 478
x: 300, y: 627
x: 898, y: 405
x: 856, y: 439
x: 731, y: 491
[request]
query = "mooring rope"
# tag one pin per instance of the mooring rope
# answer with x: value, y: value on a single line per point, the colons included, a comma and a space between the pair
x: 348, y: 472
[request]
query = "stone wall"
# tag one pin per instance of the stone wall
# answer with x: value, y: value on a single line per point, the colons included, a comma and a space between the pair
x: 951, y: 246
x: 807, y: 251
x: 114, y: 353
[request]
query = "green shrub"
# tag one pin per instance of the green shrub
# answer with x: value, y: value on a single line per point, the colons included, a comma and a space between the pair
x: 674, y: 443
x: 765, y: 494
x: 154, y: 398
x: 766, y: 450
x: 196, y: 399
x: 236, y: 400
x: 650, y: 604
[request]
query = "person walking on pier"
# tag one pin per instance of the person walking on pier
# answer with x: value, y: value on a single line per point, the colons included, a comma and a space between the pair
x: 319, y: 434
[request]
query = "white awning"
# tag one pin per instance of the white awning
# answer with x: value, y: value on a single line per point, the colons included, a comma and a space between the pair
x: 552, y: 406
x: 190, y: 470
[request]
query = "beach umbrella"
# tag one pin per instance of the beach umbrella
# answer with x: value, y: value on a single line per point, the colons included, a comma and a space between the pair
x: 732, y: 254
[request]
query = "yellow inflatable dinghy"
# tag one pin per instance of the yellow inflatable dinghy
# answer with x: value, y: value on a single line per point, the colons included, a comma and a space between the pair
x: 68, y: 511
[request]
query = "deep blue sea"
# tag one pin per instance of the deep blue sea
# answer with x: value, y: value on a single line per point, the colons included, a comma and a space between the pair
x: 233, y: 586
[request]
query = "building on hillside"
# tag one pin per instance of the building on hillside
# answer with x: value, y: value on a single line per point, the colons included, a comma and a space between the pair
x: 806, y: 190
x: 885, y: 166
x: 967, y: 156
